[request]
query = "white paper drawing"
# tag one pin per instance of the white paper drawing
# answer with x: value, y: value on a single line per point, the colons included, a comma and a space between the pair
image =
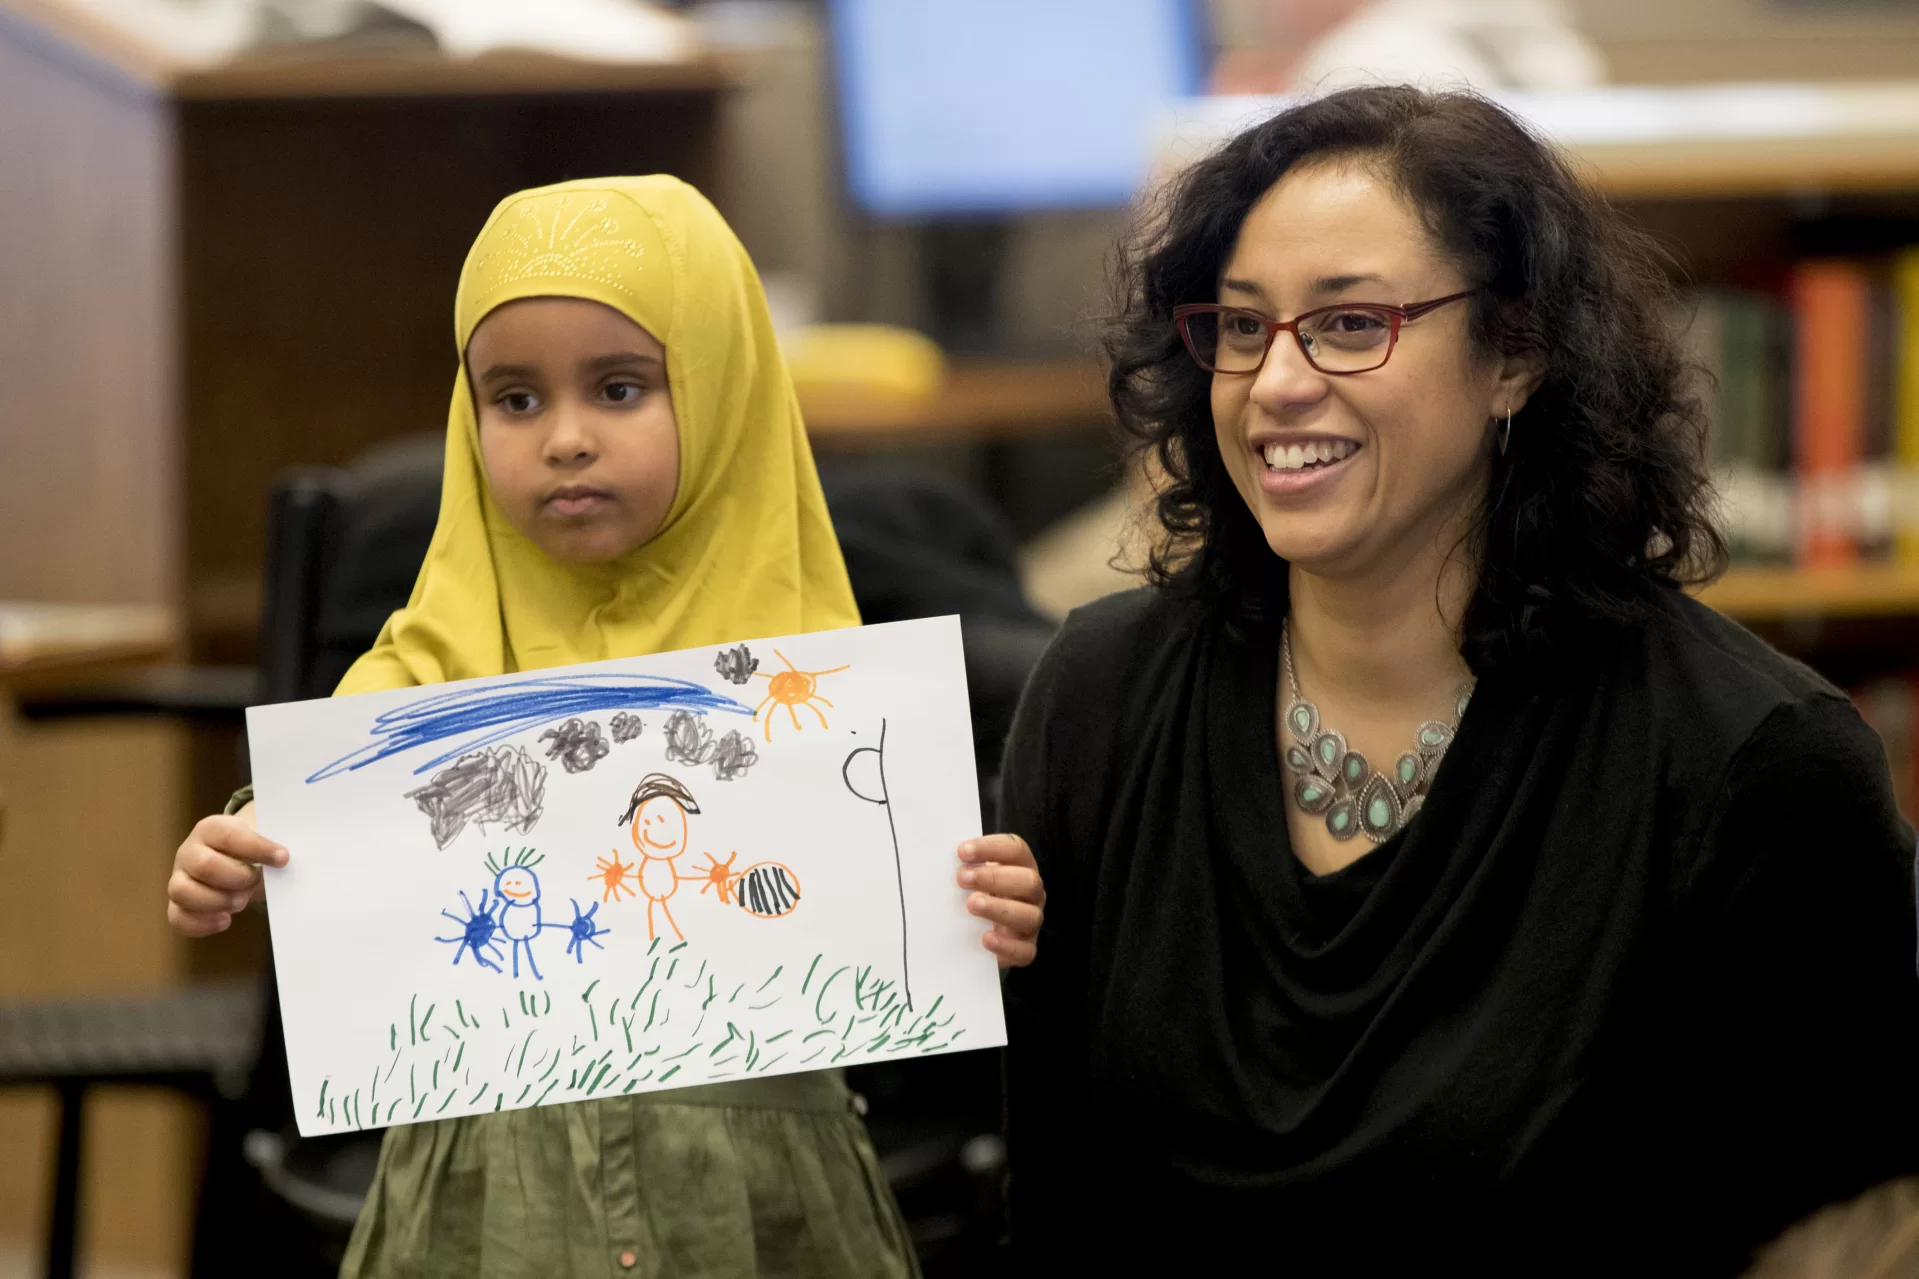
x: 741, y: 864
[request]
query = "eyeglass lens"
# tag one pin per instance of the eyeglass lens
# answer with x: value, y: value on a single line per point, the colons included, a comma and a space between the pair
x: 1341, y: 340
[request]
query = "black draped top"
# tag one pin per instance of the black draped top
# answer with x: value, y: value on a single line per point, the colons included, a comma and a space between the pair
x: 1635, y: 989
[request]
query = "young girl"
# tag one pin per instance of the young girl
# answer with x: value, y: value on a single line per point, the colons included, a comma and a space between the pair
x: 626, y: 473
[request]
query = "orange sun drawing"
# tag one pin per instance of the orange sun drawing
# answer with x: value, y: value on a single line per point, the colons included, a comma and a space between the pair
x: 793, y: 688
x: 612, y: 875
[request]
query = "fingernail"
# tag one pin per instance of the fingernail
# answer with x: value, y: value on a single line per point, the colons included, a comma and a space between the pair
x: 968, y: 877
x: 967, y: 849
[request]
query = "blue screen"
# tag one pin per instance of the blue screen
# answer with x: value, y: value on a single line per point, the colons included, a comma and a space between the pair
x: 988, y: 106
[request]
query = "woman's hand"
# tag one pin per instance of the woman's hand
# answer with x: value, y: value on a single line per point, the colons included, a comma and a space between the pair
x: 1006, y: 889
x: 216, y: 873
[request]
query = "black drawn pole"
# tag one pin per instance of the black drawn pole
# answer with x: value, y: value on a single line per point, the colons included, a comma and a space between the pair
x: 885, y: 801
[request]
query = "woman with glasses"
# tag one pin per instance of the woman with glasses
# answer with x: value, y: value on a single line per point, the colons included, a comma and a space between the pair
x: 1431, y: 881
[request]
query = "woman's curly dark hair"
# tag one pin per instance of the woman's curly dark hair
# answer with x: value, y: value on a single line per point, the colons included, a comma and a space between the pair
x: 1602, y: 494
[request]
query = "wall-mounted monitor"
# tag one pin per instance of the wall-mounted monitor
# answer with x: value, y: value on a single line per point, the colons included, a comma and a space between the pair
x: 958, y: 107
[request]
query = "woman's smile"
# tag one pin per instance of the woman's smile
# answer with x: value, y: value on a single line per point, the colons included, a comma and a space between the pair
x: 1302, y: 463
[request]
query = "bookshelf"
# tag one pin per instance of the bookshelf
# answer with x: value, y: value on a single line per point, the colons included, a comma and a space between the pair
x: 1740, y: 140
x: 1783, y: 594
x: 1693, y: 141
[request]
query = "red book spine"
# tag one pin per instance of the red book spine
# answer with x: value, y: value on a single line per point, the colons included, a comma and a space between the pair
x: 1831, y: 304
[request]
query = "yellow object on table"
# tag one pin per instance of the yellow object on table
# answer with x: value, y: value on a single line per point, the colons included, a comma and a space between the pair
x: 872, y: 373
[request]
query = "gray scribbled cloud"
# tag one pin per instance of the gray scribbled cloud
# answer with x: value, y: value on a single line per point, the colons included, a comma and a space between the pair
x: 732, y: 755
x: 576, y: 744
x: 690, y: 741
x: 500, y: 786
x: 737, y: 664
x: 625, y: 727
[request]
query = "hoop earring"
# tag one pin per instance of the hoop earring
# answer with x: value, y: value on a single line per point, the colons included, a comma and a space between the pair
x: 1506, y: 433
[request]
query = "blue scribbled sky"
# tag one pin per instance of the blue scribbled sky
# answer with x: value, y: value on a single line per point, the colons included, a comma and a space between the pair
x: 469, y: 718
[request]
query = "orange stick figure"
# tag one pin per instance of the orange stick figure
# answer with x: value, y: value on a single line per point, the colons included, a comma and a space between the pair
x: 657, y: 819
x: 793, y: 688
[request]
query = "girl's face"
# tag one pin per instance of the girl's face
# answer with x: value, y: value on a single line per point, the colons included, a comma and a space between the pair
x: 576, y: 425
x: 1411, y: 442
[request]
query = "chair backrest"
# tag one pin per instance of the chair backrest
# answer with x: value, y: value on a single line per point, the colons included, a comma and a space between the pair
x: 343, y: 548
x: 304, y: 511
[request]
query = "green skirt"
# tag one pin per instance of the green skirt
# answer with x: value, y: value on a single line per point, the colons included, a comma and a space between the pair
x: 763, y: 1177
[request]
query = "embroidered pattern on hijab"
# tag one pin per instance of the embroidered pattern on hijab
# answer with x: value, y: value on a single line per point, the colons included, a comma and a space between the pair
x: 561, y: 239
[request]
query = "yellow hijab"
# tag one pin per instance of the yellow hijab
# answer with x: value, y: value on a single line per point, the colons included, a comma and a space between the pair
x: 746, y: 550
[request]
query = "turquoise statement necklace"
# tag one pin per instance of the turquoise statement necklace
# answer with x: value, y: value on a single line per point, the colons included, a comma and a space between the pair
x: 1325, y: 778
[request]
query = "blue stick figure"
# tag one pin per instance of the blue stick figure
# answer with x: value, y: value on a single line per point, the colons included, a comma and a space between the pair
x: 516, y: 890
x: 514, y: 919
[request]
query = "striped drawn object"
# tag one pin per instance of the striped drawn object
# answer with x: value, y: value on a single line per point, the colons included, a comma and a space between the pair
x: 765, y: 889
x: 768, y: 890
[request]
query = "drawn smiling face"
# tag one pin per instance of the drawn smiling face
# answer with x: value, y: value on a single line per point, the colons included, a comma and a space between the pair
x: 518, y: 885
x: 659, y: 828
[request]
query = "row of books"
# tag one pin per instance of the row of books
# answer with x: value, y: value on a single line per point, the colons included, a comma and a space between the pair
x: 1813, y: 401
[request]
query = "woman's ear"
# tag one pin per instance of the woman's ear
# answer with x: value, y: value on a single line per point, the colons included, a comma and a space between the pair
x: 1519, y: 376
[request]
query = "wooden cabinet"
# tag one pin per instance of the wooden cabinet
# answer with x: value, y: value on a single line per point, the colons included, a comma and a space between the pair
x: 207, y: 275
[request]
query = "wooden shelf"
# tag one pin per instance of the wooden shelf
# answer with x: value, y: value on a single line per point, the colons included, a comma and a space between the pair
x: 1771, y: 595
x: 981, y: 400
x: 43, y: 639
x: 1678, y: 141
x: 308, y: 75
x: 346, y: 71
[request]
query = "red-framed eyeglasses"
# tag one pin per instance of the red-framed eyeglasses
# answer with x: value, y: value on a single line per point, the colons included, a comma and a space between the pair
x: 1350, y: 337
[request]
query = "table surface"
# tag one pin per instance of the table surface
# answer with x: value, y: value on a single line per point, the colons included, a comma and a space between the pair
x: 41, y: 638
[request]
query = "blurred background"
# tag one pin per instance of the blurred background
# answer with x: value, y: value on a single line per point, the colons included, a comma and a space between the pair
x: 229, y: 235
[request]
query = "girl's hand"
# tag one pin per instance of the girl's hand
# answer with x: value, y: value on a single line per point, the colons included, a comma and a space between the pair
x: 1006, y: 889
x: 216, y: 873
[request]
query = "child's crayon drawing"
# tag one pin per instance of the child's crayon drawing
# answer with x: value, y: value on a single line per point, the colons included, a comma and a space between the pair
x: 870, y: 763
x: 737, y: 664
x: 793, y: 688
x: 658, y: 819
x: 487, y: 711
x: 503, y: 933
x: 731, y: 926
x: 689, y: 741
x: 577, y: 744
x: 686, y: 1018
x: 502, y: 786
x: 767, y: 890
